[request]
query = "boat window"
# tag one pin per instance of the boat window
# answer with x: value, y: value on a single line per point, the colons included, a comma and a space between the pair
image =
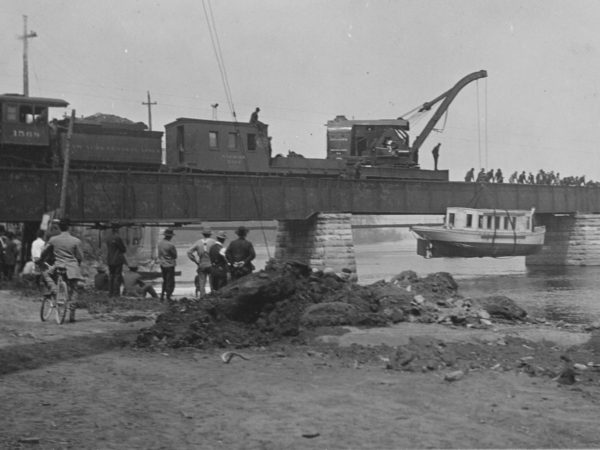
x: 469, y: 220
x: 451, y: 219
x: 213, y: 139
x: 251, y: 142
x: 497, y: 222
x: 232, y: 141
x: 488, y: 222
x: 480, y: 222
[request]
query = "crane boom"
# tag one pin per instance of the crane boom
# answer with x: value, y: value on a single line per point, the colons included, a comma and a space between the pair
x: 447, y: 97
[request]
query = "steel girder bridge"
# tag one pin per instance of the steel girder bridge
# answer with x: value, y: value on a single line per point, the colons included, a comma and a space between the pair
x: 147, y: 198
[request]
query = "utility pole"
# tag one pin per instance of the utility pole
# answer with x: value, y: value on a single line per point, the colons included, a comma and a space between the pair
x: 214, y: 110
x: 149, y: 103
x: 26, y: 36
x: 62, y: 208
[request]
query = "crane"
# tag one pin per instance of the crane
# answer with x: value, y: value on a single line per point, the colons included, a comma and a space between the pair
x: 447, y: 98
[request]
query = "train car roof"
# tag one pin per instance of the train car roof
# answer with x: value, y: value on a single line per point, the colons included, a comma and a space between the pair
x: 20, y: 98
x: 208, y: 121
x: 342, y: 122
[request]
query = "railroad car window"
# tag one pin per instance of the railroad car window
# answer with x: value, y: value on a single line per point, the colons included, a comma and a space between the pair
x: 181, y: 144
x: 40, y: 114
x: 11, y: 113
x: 26, y: 114
x: 213, y: 139
x: 232, y: 141
x: 469, y: 220
x: 479, y: 221
x: 497, y: 222
x: 251, y: 142
x: 489, y: 222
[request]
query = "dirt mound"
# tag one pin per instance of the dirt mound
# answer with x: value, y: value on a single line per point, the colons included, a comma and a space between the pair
x: 287, y: 298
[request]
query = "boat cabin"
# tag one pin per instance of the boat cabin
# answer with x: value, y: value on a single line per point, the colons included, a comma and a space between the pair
x: 489, y: 219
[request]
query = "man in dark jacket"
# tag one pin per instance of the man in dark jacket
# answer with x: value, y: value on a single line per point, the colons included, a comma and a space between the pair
x: 219, y: 263
x: 240, y: 254
x: 115, y: 258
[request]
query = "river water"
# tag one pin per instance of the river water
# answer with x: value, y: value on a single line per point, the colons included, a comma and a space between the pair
x: 553, y: 293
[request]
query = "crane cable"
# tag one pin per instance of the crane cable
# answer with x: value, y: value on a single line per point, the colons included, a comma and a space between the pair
x: 216, y: 45
x: 214, y: 37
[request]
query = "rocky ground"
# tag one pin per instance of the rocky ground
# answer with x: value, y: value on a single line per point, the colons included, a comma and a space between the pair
x: 293, y: 358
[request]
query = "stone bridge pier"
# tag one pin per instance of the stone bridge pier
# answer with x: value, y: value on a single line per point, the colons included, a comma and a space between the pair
x: 321, y: 241
x: 571, y: 240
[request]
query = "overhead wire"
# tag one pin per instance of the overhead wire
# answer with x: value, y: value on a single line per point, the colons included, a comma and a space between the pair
x: 214, y: 36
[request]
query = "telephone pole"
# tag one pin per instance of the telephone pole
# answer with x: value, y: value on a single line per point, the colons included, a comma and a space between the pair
x: 149, y: 103
x: 26, y: 36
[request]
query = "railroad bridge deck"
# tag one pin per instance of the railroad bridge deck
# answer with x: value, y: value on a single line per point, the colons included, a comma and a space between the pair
x: 144, y: 197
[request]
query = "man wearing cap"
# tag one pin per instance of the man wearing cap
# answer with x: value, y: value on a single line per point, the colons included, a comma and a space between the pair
x: 240, y: 254
x: 199, y: 253
x: 115, y: 258
x: 218, y: 277
x: 167, y: 258
x: 68, y: 254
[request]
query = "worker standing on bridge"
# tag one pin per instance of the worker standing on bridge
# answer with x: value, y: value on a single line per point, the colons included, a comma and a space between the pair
x: 254, y: 116
x: 436, y: 154
x: 470, y: 176
x: 240, y: 254
x: 167, y: 258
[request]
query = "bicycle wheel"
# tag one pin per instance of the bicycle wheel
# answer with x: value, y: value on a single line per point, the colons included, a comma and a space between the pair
x: 62, y: 301
x: 48, y: 305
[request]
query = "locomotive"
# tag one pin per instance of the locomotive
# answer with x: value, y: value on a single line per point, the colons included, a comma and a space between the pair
x: 29, y: 139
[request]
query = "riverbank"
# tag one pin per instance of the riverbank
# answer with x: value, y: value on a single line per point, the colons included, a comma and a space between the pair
x: 85, y: 385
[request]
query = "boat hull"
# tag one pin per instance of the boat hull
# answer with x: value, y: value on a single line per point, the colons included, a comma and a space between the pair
x: 439, y: 242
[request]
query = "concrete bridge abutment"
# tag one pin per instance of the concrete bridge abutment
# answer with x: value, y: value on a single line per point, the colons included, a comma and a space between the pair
x: 321, y: 241
x: 571, y: 240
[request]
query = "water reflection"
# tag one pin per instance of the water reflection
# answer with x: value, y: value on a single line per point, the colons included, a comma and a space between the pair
x: 550, y: 292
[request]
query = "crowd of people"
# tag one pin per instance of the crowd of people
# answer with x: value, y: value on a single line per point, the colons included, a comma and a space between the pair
x: 216, y: 264
x: 541, y: 177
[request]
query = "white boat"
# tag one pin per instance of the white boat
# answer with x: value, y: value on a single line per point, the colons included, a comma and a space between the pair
x: 471, y: 232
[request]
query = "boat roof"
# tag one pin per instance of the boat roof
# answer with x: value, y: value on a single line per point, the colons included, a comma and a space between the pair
x: 497, y: 211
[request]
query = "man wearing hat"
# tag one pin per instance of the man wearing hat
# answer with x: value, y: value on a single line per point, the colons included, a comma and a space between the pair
x: 67, y: 253
x: 115, y: 258
x: 199, y: 253
x: 167, y: 258
x: 218, y: 260
x: 134, y: 286
x: 240, y: 254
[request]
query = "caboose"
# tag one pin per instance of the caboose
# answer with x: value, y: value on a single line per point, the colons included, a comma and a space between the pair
x: 217, y: 146
x: 25, y: 136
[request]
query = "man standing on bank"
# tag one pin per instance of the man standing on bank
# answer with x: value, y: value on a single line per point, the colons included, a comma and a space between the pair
x: 240, y: 254
x: 199, y: 254
x: 167, y: 258
x: 218, y: 277
x: 115, y: 258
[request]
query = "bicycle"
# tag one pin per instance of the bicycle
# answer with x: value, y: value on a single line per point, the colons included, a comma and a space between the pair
x: 59, y: 302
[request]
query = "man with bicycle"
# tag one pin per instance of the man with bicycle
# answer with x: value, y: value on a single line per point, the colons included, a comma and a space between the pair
x: 66, y: 251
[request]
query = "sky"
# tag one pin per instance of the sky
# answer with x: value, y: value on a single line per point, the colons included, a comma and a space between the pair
x: 303, y: 62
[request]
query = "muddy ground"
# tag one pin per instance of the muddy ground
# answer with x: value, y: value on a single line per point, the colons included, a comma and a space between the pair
x: 409, y: 384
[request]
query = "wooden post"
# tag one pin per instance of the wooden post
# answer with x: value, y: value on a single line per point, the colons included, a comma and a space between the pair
x: 65, y: 174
